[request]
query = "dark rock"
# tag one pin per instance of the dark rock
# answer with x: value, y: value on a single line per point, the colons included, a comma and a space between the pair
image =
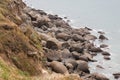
x: 63, y: 36
x: 84, y: 58
x: 102, y: 37
x: 71, y: 61
x: 54, y: 17
x: 65, y: 45
x: 107, y: 58
x: 101, y: 32
x: 88, y: 28
x: 77, y: 37
x: 106, y: 53
x: 76, y: 55
x: 99, y: 76
x: 95, y: 49
x: 99, y: 66
x: 52, y: 55
x: 93, y: 54
x: 116, y: 75
x: 76, y: 47
x: 52, y: 44
x: 83, y: 66
x: 69, y: 65
x: 103, y: 46
x: 58, y: 67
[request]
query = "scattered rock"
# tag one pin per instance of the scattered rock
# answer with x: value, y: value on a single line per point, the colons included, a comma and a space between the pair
x: 116, y: 75
x: 84, y: 58
x: 102, y: 37
x: 101, y: 32
x: 97, y: 76
x: 99, y: 66
x: 83, y: 66
x: 107, y: 58
x: 90, y: 37
x: 63, y: 36
x: 95, y: 49
x: 77, y: 37
x: 58, y: 67
x: 76, y: 55
x: 103, y: 46
x: 106, y: 53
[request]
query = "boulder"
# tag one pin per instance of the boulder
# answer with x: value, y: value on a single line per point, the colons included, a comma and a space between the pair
x: 63, y: 36
x: 53, y: 44
x: 107, y: 58
x: 103, y: 46
x: 83, y: 58
x: 58, y: 67
x: 66, y: 54
x: 83, y: 66
x: 116, y: 75
x: 106, y: 53
x: 95, y: 49
x: 102, y: 37
x: 65, y: 45
x: 77, y: 37
x: 76, y: 55
x: 90, y: 37
x: 98, y: 76
x: 52, y: 55
x: 76, y: 47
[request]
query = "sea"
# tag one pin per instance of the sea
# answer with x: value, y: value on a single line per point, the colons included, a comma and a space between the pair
x: 100, y: 15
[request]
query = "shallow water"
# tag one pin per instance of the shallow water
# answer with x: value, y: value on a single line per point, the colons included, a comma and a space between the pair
x: 96, y: 14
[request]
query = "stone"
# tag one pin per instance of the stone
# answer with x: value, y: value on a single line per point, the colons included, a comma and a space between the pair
x: 83, y: 66
x: 103, y: 46
x: 95, y: 49
x: 102, y: 37
x: 76, y: 55
x: 77, y: 37
x: 98, y: 76
x: 76, y: 47
x: 58, y: 67
x: 90, y: 37
x: 66, y: 54
x: 107, y: 58
x: 83, y: 58
x: 106, y: 53
x: 116, y: 75
x: 63, y: 36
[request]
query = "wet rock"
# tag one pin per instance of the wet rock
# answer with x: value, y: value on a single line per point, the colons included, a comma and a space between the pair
x: 65, y: 45
x: 101, y: 32
x: 116, y: 75
x: 83, y: 66
x: 106, y: 53
x: 63, y: 36
x: 84, y: 58
x: 99, y: 76
x: 99, y: 66
x: 107, y: 58
x: 90, y: 37
x: 102, y: 37
x: 53, y: 17
x: 103, y: 46
x: 77, y: 37
x: 95, y: 49
x: 58, y: 67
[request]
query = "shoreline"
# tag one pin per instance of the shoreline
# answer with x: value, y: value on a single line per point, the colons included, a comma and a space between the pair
x: 62, y: 38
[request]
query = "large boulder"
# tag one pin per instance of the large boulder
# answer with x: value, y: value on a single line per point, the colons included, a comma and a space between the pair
x: 82, y: 66
x: 53, y: 44
x: 63, y: 36
x: 99, y: 76
x: 77, y: 37
x: 76, y: 47
x: 58, y: 67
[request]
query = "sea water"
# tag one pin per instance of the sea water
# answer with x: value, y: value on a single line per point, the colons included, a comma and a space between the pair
x: 96, y: 14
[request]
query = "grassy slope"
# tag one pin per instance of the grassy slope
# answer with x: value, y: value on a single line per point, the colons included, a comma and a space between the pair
x: 14, y: 45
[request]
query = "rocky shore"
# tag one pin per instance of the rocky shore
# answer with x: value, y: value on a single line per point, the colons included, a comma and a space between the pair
x: 67, y: 50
